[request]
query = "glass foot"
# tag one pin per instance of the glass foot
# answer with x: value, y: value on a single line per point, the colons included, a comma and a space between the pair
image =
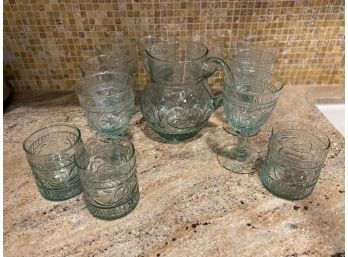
x: 235, y: 162
x: 232, y: 131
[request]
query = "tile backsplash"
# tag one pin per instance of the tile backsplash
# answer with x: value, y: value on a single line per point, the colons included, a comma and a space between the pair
x: 46, y: 40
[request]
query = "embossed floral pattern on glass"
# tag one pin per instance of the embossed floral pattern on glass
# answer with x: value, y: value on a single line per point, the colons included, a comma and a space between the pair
x: 108, y: 102
x: 247, y: 107
x: 251, y: 60
x: 50, y: 153
x: 178, y: 102
x: 108, y: 176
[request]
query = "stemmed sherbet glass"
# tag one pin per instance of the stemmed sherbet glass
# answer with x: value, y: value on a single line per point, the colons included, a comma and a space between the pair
x: 247, y: 107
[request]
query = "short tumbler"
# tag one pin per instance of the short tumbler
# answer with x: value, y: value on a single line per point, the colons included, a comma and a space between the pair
x: 295, y: 157
x: 108, y: 176
x: 50, y: 153
x: 108, y: 102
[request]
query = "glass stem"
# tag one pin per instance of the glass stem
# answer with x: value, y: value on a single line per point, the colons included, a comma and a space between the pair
x: 241, y: 152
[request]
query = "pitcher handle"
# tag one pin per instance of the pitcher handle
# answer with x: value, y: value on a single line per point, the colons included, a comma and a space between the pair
x: 211, y: 65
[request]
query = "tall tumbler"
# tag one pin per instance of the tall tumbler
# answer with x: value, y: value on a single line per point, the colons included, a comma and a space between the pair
x: 108, y: 176
x: 108, y: 102
x: 295, y: 157
x: 50, y: 153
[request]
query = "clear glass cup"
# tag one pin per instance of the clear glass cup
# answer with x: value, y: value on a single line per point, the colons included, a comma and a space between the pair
x: 296, y: 154
x: 108, y: 175
x: 103, y: 63
x: 246, y: 71
x: 121, y: 48
x: 50, y: 152
x: 247, y: 108
x: 107, y: 100
x: 258, y: 51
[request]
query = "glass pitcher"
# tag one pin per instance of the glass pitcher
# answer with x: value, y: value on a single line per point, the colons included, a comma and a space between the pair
x: 178, y: 102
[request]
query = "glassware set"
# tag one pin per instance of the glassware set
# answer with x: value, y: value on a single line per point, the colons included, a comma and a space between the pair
x: 176, y: 105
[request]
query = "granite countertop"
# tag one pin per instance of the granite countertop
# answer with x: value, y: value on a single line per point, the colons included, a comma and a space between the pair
x: 189, y: 206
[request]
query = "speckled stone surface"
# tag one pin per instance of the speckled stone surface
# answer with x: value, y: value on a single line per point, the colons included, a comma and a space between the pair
x: 189, y: 206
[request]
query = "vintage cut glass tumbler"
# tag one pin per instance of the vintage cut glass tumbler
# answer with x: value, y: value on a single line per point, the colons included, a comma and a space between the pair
x: 295, y: 157
x: 50, y: 153
x: 108, y: 174
x: 108, y: 102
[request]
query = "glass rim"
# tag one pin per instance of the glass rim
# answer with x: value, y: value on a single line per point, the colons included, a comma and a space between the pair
x: 78, y: 84
x: 253, y: 39
x: 94, y: 177
x: 25, y: 147
x: 141, y: 39
x: 101, y: 51
x: 97, y: 138
x: 178, y: 61
x: 276, y: 126
x: 113, y: 56
x: 264, y: 60
x: 278, y: 81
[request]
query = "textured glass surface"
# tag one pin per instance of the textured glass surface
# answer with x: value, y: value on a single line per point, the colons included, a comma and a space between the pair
x: 108, y: 102
x: 105, y: 62
x: 248, y: 106
x: 260, y: 50
x: 108, y: 176
x: 176, y: 112
x: 296, y: 154
x: 50, y: 153
x: 146, y: 42
x: 253, y: 58
x: 248, y: 71
x: 178, y: 103
x: 125, y: 49
x: 252, y: 62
